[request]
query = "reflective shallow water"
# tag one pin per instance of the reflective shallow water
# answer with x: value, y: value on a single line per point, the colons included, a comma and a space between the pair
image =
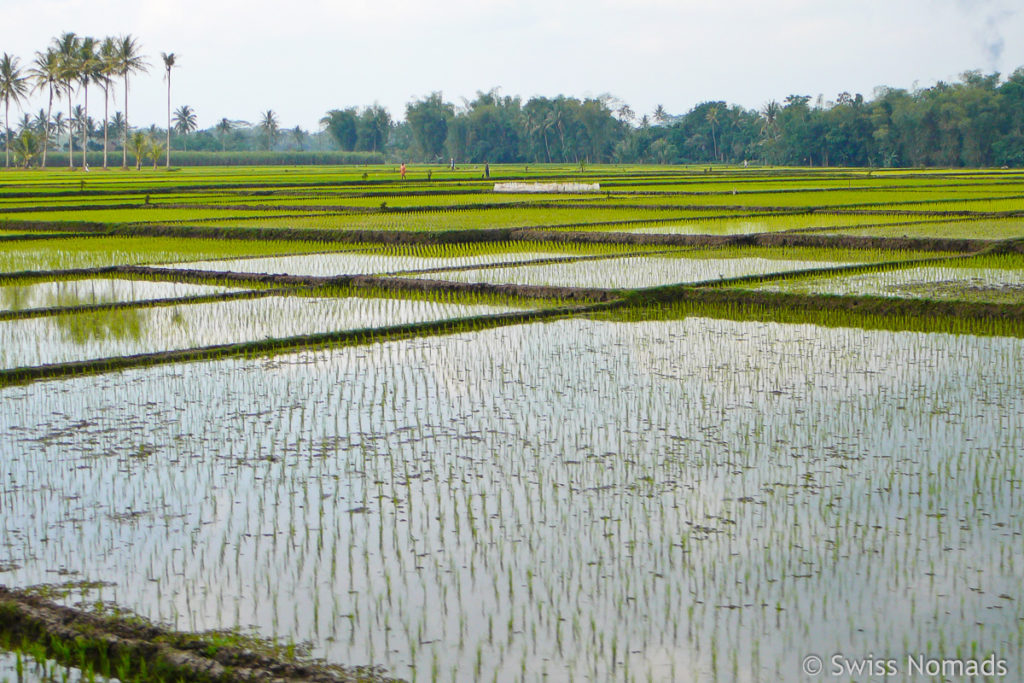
x: 123, y: 332
x: 677, y: 500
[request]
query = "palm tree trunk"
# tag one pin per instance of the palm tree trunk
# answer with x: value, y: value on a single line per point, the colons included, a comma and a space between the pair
x: 168, y: 165
x: 124, y: 162
x: 85, y: 128
x: 46, y: 127
x: 71, y: 131
x: 7, y: 132
x: 106, y: 124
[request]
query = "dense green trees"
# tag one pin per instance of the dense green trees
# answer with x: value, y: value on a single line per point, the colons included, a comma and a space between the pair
x: 340, y: 124
x: 428, y: 120
x: 978, y: 121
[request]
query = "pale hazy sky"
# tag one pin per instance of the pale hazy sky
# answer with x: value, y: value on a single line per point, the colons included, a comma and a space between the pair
x: 238, y: 58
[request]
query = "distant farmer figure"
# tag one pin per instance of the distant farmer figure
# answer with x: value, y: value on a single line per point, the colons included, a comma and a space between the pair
x: 487, y: 170
x: 451, y: 164
x: 402, y: 170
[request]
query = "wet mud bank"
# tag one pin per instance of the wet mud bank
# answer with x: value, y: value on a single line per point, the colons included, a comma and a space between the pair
x: 153, y: 653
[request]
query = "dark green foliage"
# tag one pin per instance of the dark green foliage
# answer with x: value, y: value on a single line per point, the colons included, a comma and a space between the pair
x: 340, y: 124
x: 428, y: 119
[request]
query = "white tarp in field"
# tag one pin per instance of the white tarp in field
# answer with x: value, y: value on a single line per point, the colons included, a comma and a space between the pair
x: 567, y: 188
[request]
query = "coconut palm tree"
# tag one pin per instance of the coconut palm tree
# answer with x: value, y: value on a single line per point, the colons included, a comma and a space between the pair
x: 555, y: 120
x: 117, y: 124
x: 40, y: 123
x: 169, y: 60
x: 14, y: 85
x: 129, y: 61
x: 712, y: 118
x: 90, y: 70
x: 108, y: 69
x: 154, y: 150
x: 139, y: 144
x: 299, y: 136
x: 46, y: 74
x: 59, y: 125
x: 269, y: 125
x: 26, y: 147
x: 185, y: 122
x: 660, y: 115
x: 770, y: 114
x: 68, y: 48
x: 224, y: 129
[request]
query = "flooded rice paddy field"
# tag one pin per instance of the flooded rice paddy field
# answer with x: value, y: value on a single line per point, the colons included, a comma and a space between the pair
x: 971, y: 284
x: 97, y: 335
x: 695, y: 498
x: 630, y: 272
x: 615, y: 493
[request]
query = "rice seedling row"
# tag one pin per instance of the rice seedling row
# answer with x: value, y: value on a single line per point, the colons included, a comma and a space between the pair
x: 687, y: 498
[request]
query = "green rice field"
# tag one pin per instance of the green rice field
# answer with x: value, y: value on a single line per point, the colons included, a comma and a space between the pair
x: 695, y: 426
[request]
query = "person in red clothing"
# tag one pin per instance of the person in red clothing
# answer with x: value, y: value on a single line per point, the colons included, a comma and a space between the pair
x: 402, y: 170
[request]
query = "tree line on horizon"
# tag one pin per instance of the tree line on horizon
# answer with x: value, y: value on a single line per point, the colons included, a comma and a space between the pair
x: 976, y: 122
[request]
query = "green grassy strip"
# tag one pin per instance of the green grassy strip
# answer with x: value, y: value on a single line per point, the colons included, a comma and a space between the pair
x: 867, y: 312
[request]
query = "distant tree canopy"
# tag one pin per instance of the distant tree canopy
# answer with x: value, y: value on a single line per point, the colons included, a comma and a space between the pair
x: 978, y: 121
x: 428, y: 120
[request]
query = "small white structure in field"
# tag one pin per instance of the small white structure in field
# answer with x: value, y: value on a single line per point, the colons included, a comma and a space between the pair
x: 567, y: 188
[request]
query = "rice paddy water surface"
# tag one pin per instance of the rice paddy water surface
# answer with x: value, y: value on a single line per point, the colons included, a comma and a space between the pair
x: 638, y: 489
